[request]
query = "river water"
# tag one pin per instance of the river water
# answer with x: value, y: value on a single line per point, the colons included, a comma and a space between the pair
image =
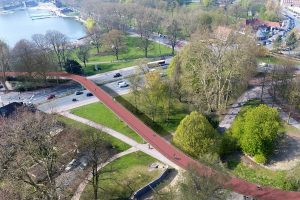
x: 22, y: 24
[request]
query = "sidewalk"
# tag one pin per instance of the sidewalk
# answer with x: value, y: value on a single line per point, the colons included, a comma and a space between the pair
x: 252, y: 94
x: 141, y: 147
x: 82, y: 185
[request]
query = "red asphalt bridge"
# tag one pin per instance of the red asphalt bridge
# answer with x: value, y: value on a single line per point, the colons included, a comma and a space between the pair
x: 172, y: 153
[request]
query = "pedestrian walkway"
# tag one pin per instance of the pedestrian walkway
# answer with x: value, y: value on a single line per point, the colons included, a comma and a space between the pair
x: 82, y: 185
x: 141, y: 147
x: 254, y: 93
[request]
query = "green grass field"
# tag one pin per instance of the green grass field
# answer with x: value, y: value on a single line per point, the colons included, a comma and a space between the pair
x: 161, y: 126
x: 105, y: 67
x: 130, y: 173
x: 128, y: 56
x: 99, y: 113
x: 131, y: 51
x: 85, y: 129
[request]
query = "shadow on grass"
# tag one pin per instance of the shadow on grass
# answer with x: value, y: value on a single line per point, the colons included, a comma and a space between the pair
x: 144, y: 118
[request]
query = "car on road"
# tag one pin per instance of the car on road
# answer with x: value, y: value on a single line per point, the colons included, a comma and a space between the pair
x: 74, y: 99
x: 116, y: 75
x: 51, y: 96
x: 89, y: 94
x: 122, y: 84
x: 79, y: 93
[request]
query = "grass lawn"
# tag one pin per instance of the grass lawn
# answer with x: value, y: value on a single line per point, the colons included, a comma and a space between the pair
x: 161, y: 126
x: 105, y: 67
x: 265, y: 177
x: 130, y: 172
x: 118, y: 144
x: 97, y: 112
x: 132, y: 51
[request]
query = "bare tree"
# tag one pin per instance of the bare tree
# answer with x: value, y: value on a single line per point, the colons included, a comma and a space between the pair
x: 114, y: 40
x: 4, y: 61
x: 58, y: 42
x: 96, y: 37
x: 98, y: 155
x: 83, y: 53
x: 173, y: 30
x: 25, y: 145
x: 147, y: 22
x: 24, y: 53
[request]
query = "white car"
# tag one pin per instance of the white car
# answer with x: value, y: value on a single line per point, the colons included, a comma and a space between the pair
x: 122, y: 84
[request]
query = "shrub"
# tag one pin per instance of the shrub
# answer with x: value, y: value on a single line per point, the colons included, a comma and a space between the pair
x: 260, y: 158
x: 196, y: 136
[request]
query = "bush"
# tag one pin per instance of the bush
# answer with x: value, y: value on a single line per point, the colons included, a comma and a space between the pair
x: 260, y: 158
x: 196, y: 136
x: 256, y: 130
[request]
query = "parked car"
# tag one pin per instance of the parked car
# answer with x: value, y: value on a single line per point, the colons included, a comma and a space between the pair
x: 122, y: 84
x: 79, y: 93
x: 51, y: 96
x: 117, y: 75
x: 89, y: 94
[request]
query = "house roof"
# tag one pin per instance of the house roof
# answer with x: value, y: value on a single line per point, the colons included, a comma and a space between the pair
x: 259, y: 22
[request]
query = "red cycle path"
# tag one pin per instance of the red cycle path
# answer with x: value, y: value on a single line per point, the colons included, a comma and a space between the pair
x: 172, y: 153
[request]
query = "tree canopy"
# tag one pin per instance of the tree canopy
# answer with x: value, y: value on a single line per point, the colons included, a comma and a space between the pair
x: 196, y: 136
x: 256, y: 130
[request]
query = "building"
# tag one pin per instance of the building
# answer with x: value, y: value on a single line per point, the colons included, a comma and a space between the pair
x: 258, y: 23
x: 295, y: 3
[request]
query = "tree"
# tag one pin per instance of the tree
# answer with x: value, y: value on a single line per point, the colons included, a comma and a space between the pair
x: 96, y: 37
x: 147, y: 22
x: 173, y: 31
x: 24, y: 53
x: 98, y: 154
x: 83, y: 53
x: 26, y: 144
x: 114, y: 40
x: 73, y: 67
x: 4, y: 61
x: 194, y: 186
x: 196, y: 136
x: 256, y: 130
x: 58, y: 42
x: 292, y: 40
x: 208, y: 76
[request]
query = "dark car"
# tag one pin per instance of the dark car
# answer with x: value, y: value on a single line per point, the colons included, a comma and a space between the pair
x: 78, y: 93
x: 89, y: 94
x: 52, y: 96
x: 74, y: 99
x: 117, y: 75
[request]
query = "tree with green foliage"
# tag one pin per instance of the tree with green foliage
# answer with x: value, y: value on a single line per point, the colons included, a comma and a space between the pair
x: 292, y: 40
x: 256, y: 131
x: 196, y: 136
x: 73, y: 67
